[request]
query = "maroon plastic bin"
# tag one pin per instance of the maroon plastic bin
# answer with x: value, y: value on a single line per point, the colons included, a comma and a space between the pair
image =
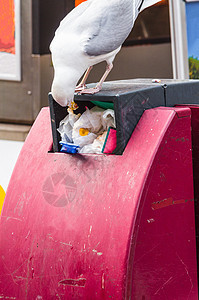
x: 104, y: 226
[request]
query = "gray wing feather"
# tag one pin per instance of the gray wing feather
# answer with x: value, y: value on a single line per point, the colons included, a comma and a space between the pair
x: 109, y: 30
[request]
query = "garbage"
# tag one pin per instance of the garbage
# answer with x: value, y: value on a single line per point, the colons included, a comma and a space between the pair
x: 86, y: 132
x: 156, y: 81
x: 108, y: 119
x: 96, y: 146
x: 66, y: 126
x: 69, y: 147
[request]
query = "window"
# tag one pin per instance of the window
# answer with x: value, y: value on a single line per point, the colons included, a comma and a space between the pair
x: 152, y: 26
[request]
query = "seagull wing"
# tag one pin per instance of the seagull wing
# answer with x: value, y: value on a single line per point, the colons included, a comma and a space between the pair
x: 73, y: 16
x: 107, y: 27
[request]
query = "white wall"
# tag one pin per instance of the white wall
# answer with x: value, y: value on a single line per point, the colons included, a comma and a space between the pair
x: 147, y: 61
x: 9, y: 151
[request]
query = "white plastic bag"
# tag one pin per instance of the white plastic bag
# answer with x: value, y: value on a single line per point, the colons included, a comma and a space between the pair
x: 88, y: 130
x: 66, y: 126
x: 95, y: 121
x: 90, y: 122
x: 96, y: 146
x: 108, y: 119
x: 90, y: 119
x: 83, y: 140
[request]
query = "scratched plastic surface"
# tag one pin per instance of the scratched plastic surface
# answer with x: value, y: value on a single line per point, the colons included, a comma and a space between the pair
x: 102, y: 226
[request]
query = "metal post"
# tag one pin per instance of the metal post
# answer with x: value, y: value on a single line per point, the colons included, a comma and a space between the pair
x: 179, y: 39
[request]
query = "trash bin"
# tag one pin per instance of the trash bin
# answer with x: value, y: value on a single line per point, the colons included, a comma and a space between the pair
x: 119, y: 226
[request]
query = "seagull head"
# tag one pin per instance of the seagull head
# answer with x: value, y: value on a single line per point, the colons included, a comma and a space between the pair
x: 63, y: 86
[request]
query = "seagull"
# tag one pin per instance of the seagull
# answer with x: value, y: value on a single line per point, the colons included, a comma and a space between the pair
x: 91, y: 33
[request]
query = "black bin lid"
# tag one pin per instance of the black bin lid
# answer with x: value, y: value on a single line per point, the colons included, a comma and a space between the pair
x: 130, y: 99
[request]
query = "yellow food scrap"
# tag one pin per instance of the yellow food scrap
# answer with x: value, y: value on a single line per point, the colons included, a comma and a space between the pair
x: 73, y: 106
x: 83, y: 131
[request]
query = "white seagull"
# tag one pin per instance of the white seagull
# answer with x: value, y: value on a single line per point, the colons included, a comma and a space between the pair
x: 91, y: 33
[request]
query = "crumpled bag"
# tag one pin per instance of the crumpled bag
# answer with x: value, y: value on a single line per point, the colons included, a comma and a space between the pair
x: 95, y: 121
x: 90, y: 119
x: 108, y: 119
x: 88, y: 130
x: 96, y: 146
x: 66, y: 126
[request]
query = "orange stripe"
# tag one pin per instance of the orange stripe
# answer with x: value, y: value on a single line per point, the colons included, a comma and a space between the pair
x: 77, y: 2
x: 7, y: 26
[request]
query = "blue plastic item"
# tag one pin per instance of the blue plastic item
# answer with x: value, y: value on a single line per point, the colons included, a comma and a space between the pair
x: 68, y: 147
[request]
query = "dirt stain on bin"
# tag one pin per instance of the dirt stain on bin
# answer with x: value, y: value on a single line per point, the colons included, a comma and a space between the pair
x: 74, y: 282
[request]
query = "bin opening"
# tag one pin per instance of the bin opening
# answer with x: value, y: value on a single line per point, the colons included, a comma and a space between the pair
x: 88, y: 129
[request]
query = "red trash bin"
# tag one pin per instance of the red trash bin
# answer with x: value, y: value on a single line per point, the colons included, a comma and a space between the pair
x: 103, y: 226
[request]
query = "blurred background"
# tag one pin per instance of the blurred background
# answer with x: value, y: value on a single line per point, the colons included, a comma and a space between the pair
x: 162, y: 44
